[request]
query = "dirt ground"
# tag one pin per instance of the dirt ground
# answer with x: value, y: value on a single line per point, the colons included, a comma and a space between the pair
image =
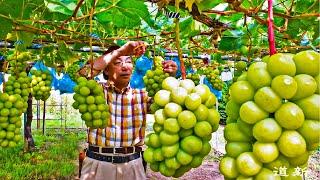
x: 209, y: 170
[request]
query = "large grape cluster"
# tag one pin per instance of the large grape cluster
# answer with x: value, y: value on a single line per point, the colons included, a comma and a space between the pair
x: 41, y: 84
x: 153, y: 78
x: 214, y: 78
x: 73, y: 71
x: 157, y: 62
x: 18, y: 62
x: 19, y: 84
x: 274, y: 113
x: 240, y: 70
x: 11, y: 109
x: 194, y: 77
x: 90, y: 101
x: 184, y: 121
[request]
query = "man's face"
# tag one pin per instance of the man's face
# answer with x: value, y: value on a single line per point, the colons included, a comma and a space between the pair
x: 120, y: 70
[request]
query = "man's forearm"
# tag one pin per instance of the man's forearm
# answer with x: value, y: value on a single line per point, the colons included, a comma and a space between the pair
x: 101, y: 62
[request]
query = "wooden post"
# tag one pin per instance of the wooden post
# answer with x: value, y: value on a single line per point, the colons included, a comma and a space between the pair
x: 29, y: 142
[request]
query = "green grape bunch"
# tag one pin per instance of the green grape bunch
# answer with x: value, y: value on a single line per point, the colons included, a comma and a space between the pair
x: 11, y: 109
x: 18, y: 62
x: 41, y: 84
x: 73, y: 71
x: 184, y: 119
x: 153, y: 80
x: 194, y: 77
x: 187, y: 63
x: 158, y: 62
x: 90, y: 101
x: 20, y: 85
x: 214, y: 78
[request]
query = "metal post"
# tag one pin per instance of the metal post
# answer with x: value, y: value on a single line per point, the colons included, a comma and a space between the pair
x: 44, y: 116
x: 38, y: 114
x: 61, y: 118
x: 65, y: 112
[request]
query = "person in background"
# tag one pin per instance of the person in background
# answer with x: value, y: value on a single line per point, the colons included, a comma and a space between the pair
x: 116, y: 151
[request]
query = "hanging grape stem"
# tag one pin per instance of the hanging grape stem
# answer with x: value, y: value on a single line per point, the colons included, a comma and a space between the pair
x: 272, y: 44
x: 182, y: 68
x: 154, y: 52
x: 90, y: 40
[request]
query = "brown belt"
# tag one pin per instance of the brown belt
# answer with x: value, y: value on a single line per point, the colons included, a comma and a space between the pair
x: 122, y: 150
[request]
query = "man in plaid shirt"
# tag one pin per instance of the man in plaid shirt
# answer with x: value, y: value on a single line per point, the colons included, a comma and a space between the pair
x: 115, y: 152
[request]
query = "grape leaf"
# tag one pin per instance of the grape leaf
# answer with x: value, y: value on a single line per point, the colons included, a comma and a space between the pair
x: 231, y: 40
x: 63, y: 7
x: 26, y: 40
x: 125, y: 14
x: 316, y: 42
x: 257, y: 2
x: 55, y: 16
x: 301, y: 6
x: 77, y: 46
x: 295, y: 26
x: 216, y: 57
x: 316, y: 34
x: 136, y: 7
x: 47, y: 49
x: 186, y: 24
x: 63, y: 51
x: 207, y: 4
x: 278, y: 21
x: 5, y: 27
x: 229, y: 43
x: 245, y: 4
x: 11, y: 8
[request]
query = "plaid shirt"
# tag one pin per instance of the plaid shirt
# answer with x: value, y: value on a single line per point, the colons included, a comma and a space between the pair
x: 127, y: 122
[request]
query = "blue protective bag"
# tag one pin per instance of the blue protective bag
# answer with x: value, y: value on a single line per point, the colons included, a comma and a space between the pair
x: 40, y: 66
x: 216, y: 92
x: 189, y: 71
x: 55, y: 83
x: 136, y: 80
x: 1, y: 78
x: 143, y: 64
x: 65, y: 84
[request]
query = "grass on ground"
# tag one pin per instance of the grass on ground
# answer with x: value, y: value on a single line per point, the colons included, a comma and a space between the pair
x: 54, y: 158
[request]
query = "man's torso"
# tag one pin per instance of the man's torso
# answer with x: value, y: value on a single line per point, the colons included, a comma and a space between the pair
x: 126, y: 125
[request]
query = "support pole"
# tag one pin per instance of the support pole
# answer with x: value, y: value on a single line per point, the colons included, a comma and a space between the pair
x: 272, y: 44
x: 29, y: 142
x: 38, y: 114
x: 182, y: 67
x: 43, y: 117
